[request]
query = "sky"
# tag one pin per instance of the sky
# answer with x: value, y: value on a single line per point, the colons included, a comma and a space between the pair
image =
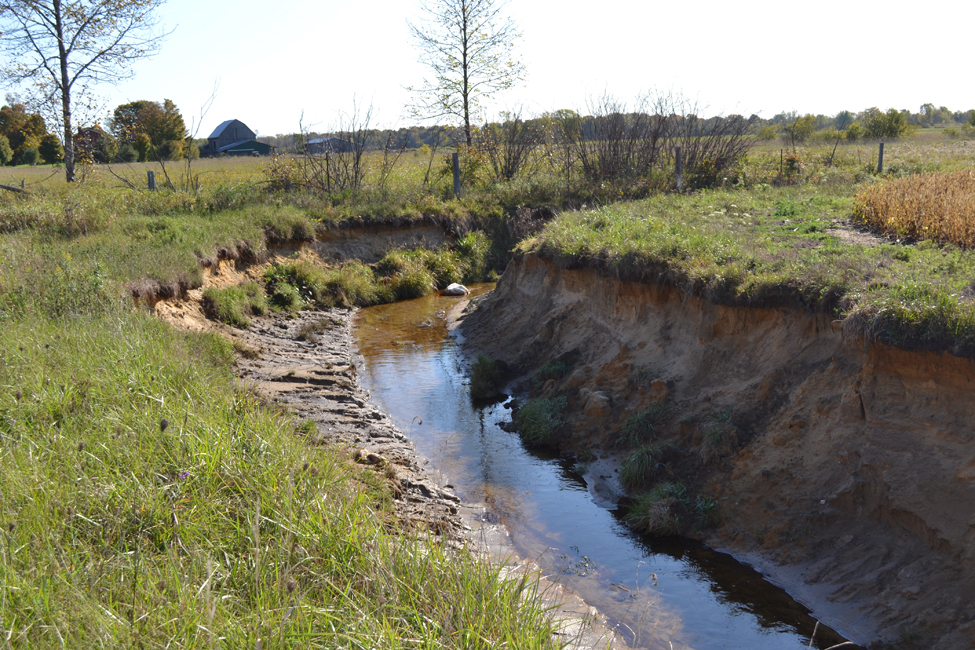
x: 282, y: 63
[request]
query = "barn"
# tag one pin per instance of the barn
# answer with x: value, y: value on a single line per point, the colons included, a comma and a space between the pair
x: 234, y: 138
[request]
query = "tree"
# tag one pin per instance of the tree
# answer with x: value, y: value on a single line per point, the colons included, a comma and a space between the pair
x: 60, y: 47
x: 884, y: 126
x: 50, y: 149
x: 161, y: 123
x: 6, y: 153
x: 23, y: 130
x: 468, y: 46
x: 800, y: 130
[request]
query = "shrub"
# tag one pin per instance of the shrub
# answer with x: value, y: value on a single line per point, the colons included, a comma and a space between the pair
x: 233, y: 305
x: 553, y: 369
x: 539, y: 419
x: 30, y: 156
x: 6, y: 153
x: 445, y: 266
x: 352, y: 285
x: 486, y: 378
x: 50, y: 149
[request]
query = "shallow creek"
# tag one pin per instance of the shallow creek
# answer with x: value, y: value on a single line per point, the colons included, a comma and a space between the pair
x: 659, y: 593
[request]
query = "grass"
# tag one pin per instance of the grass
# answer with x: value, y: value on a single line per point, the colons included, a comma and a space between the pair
x: 662, y: 511
x: 232, y: 305
x: 641, y: 466
x: 540, y: 419
x: 148, y: 501
x: 778, y: 246
x: 640, y: 426
x: 487, y: 378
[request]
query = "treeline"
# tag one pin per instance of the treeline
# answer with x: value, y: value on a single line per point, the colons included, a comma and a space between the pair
x: 138, y: 131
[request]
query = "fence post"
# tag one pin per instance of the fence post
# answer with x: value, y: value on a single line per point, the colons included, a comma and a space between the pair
x: 152, y: 181
x: 781, y: 162
x: 456, y: 161
x: 680, y: 171
x: 880, y: 160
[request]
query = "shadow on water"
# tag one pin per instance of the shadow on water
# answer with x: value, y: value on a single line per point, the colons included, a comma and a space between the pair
x: 661, y: 593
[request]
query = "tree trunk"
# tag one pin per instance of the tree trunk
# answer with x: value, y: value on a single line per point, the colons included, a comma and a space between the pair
x: 466, y: 91
x: 65, y: 96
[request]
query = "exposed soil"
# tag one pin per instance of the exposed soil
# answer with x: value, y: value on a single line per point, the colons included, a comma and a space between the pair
x: 845, y: 470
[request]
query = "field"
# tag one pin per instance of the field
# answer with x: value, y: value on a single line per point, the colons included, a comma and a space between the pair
x: 146, y: 499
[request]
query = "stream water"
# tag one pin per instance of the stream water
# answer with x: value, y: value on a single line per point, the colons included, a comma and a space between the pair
x: 660, y: 593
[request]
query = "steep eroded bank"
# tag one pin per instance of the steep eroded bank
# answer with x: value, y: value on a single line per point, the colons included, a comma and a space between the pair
x: 843, y: 469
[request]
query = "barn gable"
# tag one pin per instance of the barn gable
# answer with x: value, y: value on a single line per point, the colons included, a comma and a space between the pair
x: 226, y: 134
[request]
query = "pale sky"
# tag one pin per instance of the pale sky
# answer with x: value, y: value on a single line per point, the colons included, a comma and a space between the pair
x: 276, y: 60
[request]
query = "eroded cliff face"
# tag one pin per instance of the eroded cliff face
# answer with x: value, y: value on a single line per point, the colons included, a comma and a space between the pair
x: 847, y: 468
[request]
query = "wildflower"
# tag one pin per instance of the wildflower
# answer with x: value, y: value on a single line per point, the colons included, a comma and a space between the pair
x: 183, y: 475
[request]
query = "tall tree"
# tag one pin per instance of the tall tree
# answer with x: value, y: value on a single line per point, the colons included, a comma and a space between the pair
x: 469, y: 47
x: 61, y: 47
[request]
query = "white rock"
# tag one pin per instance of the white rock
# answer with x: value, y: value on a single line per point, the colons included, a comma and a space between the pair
x: 456, y: 290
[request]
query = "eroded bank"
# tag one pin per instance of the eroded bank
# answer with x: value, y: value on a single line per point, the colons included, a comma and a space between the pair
x: 842, y: 468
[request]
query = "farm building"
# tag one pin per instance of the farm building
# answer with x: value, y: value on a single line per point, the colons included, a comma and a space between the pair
x: 234, y: 138
x: 328, y: 145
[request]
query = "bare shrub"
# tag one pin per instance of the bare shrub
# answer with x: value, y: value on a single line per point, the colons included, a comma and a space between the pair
x: 511, y: 146
x: 616, y: 144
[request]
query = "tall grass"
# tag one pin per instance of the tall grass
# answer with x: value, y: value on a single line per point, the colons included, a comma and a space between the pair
x: 940, y: 207
x: 148, y: 501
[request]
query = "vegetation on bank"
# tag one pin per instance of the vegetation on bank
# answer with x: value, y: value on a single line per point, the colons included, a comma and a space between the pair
x: 789, y: 245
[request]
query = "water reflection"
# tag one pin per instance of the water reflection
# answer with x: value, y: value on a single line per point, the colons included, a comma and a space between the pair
x: 659, y: 591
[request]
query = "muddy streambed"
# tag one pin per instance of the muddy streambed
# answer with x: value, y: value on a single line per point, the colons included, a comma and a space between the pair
x: 657, y: 592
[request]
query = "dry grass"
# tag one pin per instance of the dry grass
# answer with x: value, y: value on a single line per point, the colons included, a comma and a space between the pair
x: 940, y: 207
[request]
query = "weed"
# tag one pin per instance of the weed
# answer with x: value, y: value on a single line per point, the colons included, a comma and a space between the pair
x: 487, y: 378
x: 309, y: 330
x: 706, y: 509
x: 539, y: 419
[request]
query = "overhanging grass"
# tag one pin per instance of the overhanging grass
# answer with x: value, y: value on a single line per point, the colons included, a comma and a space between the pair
x: 147, y: 501
x: 778, y: 247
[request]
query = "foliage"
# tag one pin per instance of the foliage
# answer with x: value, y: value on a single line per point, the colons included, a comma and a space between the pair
x: 162, y: 124
x: 888, y: 125
x: 50, y: 149
x: 6, y: 152
x: 799, y: 130
x: 487, y: 378
x: 467, y: 45
x: 539, y: 420
x: 23, y: 130
x: 232, y: 305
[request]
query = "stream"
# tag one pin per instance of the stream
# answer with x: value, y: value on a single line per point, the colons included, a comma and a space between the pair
x: 658, y: 593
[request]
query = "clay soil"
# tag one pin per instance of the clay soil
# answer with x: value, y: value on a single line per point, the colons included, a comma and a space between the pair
x: 844, y: 470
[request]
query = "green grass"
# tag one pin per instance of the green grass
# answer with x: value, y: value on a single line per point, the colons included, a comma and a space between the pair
x: 148, y: 501
x: 540, y: 419
x: 640, y: 426
x: 774, y: 247
x: 487, y: 378
x: 232, y: 305
x: 662, y: 511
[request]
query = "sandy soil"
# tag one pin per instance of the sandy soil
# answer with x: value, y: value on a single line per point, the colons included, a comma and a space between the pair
x: 846, y: 470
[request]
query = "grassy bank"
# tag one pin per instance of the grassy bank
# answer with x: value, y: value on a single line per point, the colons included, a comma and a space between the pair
x: 779, y: 246
x: 146, y: 500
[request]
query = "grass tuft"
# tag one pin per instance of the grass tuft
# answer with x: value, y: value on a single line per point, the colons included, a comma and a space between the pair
x: 232, y: 305
x: 539, y: 420
x: 487, y: 378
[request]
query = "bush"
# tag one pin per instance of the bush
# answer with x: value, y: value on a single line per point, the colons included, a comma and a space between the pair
x: 30, y: 156
x: 473, y: 249
x: 233, y: 305
x: 539, y: 419
x: 415, y: 281
x: 352, y: 285
x: 486, y: 378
